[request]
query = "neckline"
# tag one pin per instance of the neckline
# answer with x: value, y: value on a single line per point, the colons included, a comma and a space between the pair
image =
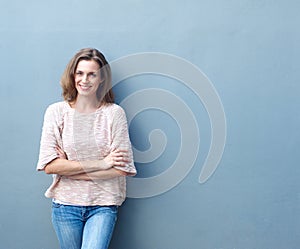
x: 82, y: 113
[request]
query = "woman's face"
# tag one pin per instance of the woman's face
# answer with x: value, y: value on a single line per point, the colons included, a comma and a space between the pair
x: 87, y: 78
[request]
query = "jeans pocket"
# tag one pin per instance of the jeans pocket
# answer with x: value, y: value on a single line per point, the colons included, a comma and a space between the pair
x: 56, y: 205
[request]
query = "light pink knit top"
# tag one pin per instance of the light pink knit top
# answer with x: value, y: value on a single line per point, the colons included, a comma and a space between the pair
x: 85, y: 137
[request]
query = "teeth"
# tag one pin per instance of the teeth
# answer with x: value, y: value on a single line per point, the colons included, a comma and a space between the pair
x: 84, y: 87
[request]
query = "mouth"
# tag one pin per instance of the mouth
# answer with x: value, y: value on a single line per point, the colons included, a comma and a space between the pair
x: 84, y: 87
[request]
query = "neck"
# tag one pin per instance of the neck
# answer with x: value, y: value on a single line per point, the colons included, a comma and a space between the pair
x: 86, y: 104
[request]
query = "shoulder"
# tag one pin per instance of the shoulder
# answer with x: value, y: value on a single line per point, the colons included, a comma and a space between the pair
x: 57, y: 106
x: 115, y: 113
x: 56, y: 109
x: 114, y: 109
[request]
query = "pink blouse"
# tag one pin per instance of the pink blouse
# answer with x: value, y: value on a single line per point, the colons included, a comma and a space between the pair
x: 85, y: 137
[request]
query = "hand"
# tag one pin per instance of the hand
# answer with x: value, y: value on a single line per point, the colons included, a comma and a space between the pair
x: 60, y: 153
x: 117, y: 158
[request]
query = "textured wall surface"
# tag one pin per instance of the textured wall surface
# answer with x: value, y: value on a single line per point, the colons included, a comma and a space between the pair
x: 249, y: 51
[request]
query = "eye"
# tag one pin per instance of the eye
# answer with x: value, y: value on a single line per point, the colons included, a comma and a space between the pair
x: 93, y: 75
x: 79, y: 73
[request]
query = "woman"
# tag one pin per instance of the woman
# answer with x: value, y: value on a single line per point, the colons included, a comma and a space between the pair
x: 85, y: 146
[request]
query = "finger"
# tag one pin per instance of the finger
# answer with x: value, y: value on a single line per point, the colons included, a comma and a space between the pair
x: 120, y: 151
x: 59, y: 149
x: 122, y: 159
x: 121, y: 164
x: 58, y: 152
x: 121, y: 154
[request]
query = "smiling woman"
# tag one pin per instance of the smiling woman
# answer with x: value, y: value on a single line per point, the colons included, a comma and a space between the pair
x: 87, y: 78
x: 89, y: 63
x: 85, y: 145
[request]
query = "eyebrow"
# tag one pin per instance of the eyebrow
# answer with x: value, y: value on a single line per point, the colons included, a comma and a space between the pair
x: 95, y: 71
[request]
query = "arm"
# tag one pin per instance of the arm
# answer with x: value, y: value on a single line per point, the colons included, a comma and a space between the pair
x: 99, y: 175
x: 65, y: 167
x: 120, y: 139
x: 62, y: 166
x: 50, y: 137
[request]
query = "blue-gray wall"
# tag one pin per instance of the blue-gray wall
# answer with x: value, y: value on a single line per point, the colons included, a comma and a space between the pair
x: 250, y: 52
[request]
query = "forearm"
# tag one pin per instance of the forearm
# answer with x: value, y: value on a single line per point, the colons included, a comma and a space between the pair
x: 66, y: 167
x: 98, y: 175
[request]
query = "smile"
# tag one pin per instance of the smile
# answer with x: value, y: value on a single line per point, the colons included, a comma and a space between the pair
x: 85, y: 87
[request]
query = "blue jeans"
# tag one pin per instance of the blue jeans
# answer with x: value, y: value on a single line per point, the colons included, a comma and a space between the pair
x: 79, y: 227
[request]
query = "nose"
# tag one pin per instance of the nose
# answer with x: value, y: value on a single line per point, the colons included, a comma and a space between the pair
x: 84, y: 78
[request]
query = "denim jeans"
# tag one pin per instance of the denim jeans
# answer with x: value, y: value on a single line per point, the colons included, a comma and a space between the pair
x: 79, y: 227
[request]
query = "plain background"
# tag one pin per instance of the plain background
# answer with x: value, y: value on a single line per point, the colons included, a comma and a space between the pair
x: 249, y: 50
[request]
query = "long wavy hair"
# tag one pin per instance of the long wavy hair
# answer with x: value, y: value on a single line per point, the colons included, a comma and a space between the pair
x: 104, y: 92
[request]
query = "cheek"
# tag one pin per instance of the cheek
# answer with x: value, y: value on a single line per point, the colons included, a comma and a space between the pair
x: 76, y: 80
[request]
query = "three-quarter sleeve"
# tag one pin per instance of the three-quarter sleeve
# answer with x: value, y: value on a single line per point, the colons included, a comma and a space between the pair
x: 120, y: 138
x: 50, y: 137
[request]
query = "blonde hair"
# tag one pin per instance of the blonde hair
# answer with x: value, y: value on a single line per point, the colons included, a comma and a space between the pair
x: 104, y: 92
